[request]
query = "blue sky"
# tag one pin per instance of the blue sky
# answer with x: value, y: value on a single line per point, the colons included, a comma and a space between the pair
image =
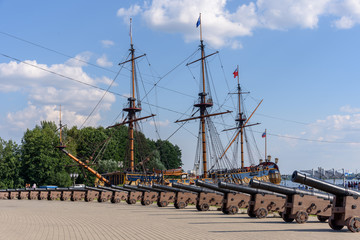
x: 301, y: 57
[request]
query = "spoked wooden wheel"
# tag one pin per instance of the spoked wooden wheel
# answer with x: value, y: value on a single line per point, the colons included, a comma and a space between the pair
x: 353, y: 224
x: 261, y: 213
x: 301, y: 217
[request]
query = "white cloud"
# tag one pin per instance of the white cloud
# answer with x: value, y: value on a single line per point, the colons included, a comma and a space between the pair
x: 45, y: 91
x: 344, y: 23
x: 107, y: 43
x: 130, y: 12
x: 33, y: 115
x: 104, y: 62
x: 223, y: 27
x: 349, y: 109
x: 79, y: 60
x: 285, y: 14
x: 160, y: 123
x: 337, y: 127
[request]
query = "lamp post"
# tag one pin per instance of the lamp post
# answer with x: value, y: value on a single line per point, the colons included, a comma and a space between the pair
x: 74, y: 176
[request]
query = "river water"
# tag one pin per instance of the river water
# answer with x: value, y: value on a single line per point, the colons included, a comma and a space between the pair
x: 339, y: 182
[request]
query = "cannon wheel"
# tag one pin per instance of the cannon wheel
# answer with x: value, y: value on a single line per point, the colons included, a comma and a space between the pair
x: 115, y: 200
x: 181, y: 205
x: 102, y: 199
x: 251, y: 213
x: 353, y: 224
x: 301, y: 217
x: 89, y: 199
x: 233, y: 210
x: 261, y: 213
x: 322, y: 218
x: 286, y: 218
x: 335, y: 226
x: 132, y: 201
x: 163, y: 203
x: 147, y: 202
x: 204, y: 207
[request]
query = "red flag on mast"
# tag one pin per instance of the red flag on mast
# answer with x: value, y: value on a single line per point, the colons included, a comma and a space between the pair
x: 236, y: 73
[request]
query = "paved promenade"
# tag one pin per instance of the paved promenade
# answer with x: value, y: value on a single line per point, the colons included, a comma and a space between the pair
x: 26, y: 219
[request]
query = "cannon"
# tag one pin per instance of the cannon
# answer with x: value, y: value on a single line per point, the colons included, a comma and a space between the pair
x: 133, y: 196
x: 147, y: 198
x: 205, y: 197
x: 77, y: 194
x: 117, y: 195
x: 232, y: 200
x: 165, y: 197
x: 182, y: 197
x: 13, y: 194
x: 54, y: 193
x: 4, y: 194
x: 299, y: 203
x: 100, y: 194
x: 91, y: 194
x: 43, y: 193
x: 261, y: 202
x: 346, y: 204
x: 23, y: 193
x: 65, y: 193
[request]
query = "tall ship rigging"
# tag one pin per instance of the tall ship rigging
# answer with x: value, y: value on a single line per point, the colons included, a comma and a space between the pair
x: 212, y: 162
x: 266, y: 170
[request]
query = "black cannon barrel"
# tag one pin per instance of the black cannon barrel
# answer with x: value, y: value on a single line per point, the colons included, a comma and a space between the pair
x: 212, y: 187
x: 61, y: 189
x: 74, y: 189
x: 122, y: 188
x: 39, y: 189
x: 94, y: 189
x: 287, y: 190
x: 193, y: 188
x: 134, y: 188
x: 149, y: 188
x: 244, y: 189
x: 322, y: 185
x: 167, y: 188
x: 110, y: 189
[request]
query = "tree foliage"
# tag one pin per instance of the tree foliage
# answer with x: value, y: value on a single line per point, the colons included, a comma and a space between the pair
x: 38, y: 160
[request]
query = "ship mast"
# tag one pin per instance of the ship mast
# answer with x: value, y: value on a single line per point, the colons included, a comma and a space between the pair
x: 132, y: 107
x: 203, y: 103
x: 132, y: 110
x: 241, y: 119
x: 242, y: 122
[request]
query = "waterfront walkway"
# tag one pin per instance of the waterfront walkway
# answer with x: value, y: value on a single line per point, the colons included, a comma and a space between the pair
x: 29, y: 219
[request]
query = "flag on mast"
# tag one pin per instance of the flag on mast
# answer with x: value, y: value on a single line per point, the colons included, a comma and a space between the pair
x: 263, y: 135
x: 198, y: 22
x: 236, y: 73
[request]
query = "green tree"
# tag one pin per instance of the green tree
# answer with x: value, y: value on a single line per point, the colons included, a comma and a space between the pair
x: 170, y: 155
x: 42, y: 162
x: 10, y: 165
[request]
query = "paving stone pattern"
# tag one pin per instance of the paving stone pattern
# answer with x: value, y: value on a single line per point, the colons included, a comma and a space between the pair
x: 56, y: 220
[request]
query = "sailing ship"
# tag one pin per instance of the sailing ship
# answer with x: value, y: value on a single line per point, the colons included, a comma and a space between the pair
x: 266, y: 170
x: 209, y: 142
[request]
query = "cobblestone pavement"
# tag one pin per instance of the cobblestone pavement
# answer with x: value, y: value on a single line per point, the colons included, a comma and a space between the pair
x: 26, y: 219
